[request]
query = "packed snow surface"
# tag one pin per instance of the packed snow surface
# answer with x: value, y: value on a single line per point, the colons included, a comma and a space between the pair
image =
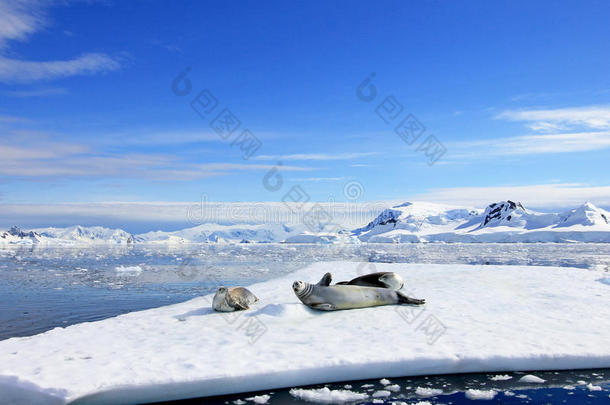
x: 186, y: 350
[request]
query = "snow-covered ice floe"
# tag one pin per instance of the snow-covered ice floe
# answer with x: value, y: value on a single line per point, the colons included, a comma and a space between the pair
x: 477, y: 319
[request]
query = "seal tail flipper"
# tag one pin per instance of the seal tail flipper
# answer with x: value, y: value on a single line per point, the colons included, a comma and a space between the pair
x: 404, y: 299
x: 326, y: 279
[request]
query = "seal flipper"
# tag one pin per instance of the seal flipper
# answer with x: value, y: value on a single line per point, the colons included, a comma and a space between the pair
x: 323, y: 307
x: 403, y: 299
x: 326, y: 280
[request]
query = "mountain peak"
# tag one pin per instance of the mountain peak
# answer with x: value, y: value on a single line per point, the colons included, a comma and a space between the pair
x: 502, y: 213
x: 587, y: 214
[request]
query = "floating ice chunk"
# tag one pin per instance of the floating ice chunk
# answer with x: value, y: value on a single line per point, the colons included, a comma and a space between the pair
x: 393, y: 387
x: 531, y: 379
x: 259, y: 399
x: 384, y: 381
x: 592, y: 387
x: 480, y: 394
x: 500, y: 377
x: 381, y: 394
x: 326, y: 395
x: 128, y: 270
x: 427, y: 392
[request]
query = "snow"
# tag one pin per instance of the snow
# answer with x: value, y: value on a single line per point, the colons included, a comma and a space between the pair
x: 531, y: 379
x: 393, y: 387
x: 504, y: 221
x: 605, y: 280
x: 480, y: 394
x: 187, y: 350
x: 384, y: 381
x: 327, y: 396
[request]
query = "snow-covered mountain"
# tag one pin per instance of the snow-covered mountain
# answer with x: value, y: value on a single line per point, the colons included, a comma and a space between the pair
x: 504, y: 221
x: 66, y: 236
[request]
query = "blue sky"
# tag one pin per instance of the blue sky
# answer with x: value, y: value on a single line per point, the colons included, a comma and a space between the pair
x: 518, y: 94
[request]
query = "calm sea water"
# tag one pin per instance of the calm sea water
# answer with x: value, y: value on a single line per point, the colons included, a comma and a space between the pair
x: 42, y: 288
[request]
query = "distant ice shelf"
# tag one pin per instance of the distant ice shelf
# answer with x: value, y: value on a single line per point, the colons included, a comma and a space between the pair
x: 477, y: 319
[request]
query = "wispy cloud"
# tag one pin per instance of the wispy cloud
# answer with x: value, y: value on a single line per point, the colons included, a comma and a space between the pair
x: 593, y: 117
x: 318, y: 156
x: 21, y: 19
x: 317, y: 179
x: 37, y: 156
x: 532, y: 145
x: 561, y: 130
x: 11, y: 119
x: 13, y: 70
x: 562, y: 195
x: 249, y: 167
x: 42, y: 92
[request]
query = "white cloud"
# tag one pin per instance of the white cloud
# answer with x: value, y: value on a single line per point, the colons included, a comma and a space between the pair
x: 41, y: 92
x: 13, y: 70
x: 248, y: 166
x: 561, y: 195
x: 531, y: 145
x: 594, y: 117
x: 37, y: 156
x: 317, y: 156
x: 318, y: 179
x: 22, y: 18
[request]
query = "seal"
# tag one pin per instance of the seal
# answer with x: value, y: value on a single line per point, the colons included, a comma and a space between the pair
x: 325, y: 297
x: 386, y: 279
x: 233, y: 299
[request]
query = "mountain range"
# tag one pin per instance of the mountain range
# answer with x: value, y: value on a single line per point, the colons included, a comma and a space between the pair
x: 504, y: 221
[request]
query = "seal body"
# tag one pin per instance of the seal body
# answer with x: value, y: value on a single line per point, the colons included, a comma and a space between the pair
x: 233, y: 299
x: 385, y: 279
x: 326, y: 297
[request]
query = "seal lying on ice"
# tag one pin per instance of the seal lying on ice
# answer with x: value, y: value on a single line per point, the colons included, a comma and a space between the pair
x: 233, y: 299
x: 326, y: 297
x: 386, y: 279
